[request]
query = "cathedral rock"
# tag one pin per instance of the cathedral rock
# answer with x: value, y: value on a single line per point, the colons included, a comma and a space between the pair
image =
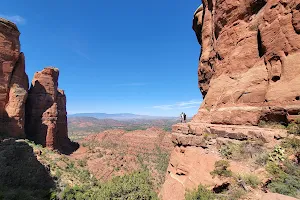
x: 44, y: 119
x: 46, y: 115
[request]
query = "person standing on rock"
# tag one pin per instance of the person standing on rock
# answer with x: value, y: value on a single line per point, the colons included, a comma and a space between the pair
x: 184, y: 117
x: 181, y: 117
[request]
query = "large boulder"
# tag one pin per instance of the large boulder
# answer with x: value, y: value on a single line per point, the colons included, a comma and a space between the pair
x: 13, y: 82
x: 249, y: 69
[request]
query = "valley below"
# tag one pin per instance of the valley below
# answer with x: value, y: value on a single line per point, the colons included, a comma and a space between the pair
x: 80, y: 127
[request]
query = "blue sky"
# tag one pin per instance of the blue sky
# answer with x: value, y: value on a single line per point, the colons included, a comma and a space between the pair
x: 114, y: 56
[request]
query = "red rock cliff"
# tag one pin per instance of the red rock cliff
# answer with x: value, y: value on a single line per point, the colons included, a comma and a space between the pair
x: 46, y: 116
x: 249, y: 69
x: 13, y: 81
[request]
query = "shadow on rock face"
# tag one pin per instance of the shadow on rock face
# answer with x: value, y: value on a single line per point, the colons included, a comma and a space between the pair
x: 46, y: 117
x: 37, y: 103
x: 22, y: 176
x: 69, y: 147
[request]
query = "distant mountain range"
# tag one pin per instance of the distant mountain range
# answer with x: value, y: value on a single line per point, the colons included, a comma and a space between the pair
x: 118, y: 116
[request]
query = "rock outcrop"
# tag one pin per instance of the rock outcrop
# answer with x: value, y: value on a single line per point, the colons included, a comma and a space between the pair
x: 46, y: 116
x: 13, y: 81
x: 45, y: 113
x: 249, y: 69
x: 197, y: 148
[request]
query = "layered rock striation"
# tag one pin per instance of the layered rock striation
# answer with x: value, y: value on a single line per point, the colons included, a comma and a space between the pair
x: 13, y: 81
x: 249, y: 68
x: 45, y: 116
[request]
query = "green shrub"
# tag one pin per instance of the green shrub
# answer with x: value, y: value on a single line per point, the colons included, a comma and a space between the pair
x: 84, y: 144
x: 250, y: 179
x: 292, y: 145
x: 235, y: 193
x: 270, y: 124
x: 76, y: 193
x: 82, y: 162
x: 284, y: 173
x: 240, y: 151
x: 58, y: 173
x: 221, y: 169
x: 162, y: 160
x: 294, y: 128
x: 227, y: 150
x: 70, y: 165
x: 262, y: 159
x: 200, y: 194
x: 161, y: 163
x: 135, y: 186
x: 84, y: 175
x: 285, y: 178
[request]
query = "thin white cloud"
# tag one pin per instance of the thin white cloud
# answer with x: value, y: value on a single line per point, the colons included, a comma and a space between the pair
x: 17, y: 19
x: 188, y: 107
x: 82, y: 54
x: 79, y: 47
x: 129, y: 84
x: 179, y: 105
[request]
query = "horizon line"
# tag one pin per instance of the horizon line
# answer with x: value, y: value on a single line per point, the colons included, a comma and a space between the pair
x: 122, y: 113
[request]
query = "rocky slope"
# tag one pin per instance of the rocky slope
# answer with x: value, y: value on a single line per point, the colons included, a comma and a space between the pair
x: 253, y: 46
x: 200, y: 146
x: 45, y: 116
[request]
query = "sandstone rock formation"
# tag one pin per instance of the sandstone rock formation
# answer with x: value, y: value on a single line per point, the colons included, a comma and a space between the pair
x: 46, y: 116
x: 13, y: 81
x: 249, y: 69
